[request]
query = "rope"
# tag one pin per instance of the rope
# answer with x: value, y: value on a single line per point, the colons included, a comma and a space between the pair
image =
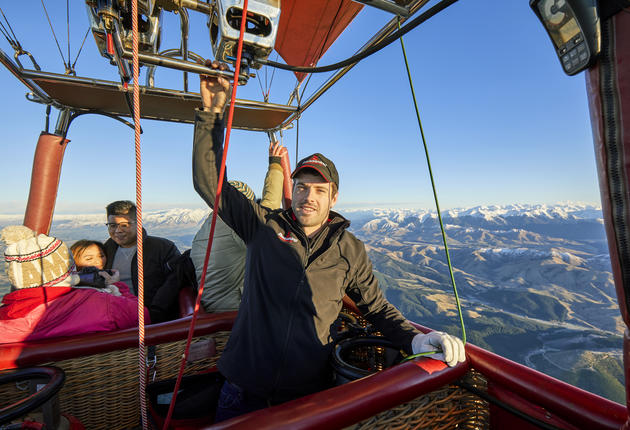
x: 273, y: 74
x: 68, y: 27
x: 81, y: 48
x: 435, y: 197
x: 310, y: 75
x: 297, y: 122
x: 360, y: 56
x: 267, y: 88
x: 13, y: 41
x: 297, y: 140
x: 139, y: 252
x: 262, y: 90
x: 328, y: 33
x: 66, y: 66
x: 214, y: 215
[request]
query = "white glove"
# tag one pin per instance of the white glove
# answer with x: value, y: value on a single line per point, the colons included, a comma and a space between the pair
x: 110, y: 279
x: 450, y: 348
x: 111, y: 289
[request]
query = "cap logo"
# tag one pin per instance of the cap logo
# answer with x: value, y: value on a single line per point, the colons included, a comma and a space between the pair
x: 322, y: 165
x: 315, y: 160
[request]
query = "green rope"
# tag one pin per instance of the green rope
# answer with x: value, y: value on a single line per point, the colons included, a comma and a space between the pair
x: 437, y: 204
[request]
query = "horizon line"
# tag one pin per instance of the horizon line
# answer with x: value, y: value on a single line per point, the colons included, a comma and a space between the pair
x: 350, y: 206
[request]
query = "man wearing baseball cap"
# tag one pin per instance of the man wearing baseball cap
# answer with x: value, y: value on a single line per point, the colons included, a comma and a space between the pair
x: 316, y: 185
x: 300, y: 264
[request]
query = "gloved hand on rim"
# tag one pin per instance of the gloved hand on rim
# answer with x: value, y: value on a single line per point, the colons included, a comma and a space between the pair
x: 449, y: 349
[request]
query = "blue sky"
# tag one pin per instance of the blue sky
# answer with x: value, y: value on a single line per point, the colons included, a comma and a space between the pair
x: 504, y: 123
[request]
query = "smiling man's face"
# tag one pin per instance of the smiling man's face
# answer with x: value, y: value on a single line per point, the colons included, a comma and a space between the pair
x: 312, y: 200
x: 122, y: 230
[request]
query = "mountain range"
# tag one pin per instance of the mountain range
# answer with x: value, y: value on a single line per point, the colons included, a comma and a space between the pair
x: 534, y: 281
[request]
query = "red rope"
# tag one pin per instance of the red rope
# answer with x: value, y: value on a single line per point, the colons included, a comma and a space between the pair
x: 214, y: 216
x: 136, y: 121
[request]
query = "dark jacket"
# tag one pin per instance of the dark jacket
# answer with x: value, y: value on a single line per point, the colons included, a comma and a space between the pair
x: 294, y: 286
x: 164, y: 306
x: 157, y: 254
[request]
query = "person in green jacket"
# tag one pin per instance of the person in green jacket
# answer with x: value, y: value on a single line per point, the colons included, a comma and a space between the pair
x: 301, y: 262
x: 223, y: 284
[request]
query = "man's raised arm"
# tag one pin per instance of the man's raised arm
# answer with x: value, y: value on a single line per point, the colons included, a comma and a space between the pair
x: 237, y: 211
x: 208, y: 136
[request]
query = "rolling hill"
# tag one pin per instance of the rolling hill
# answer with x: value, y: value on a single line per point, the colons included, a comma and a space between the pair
x: 534, y: 281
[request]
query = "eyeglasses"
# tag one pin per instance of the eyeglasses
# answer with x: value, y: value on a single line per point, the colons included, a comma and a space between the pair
x: 122, y: 225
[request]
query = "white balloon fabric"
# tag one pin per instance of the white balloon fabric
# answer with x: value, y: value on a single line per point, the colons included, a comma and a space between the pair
x: 450, y: 349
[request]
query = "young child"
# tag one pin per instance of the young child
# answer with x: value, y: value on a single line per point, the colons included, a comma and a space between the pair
x: 45, y: 301
x: 91, y: 254
x: 88, y: 253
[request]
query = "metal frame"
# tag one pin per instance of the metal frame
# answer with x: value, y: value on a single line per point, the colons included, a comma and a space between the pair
x: 30, y: 78
x: 386, y: 5
x: 389, y: 28
x: 27, y: 76
x: 28, y: 83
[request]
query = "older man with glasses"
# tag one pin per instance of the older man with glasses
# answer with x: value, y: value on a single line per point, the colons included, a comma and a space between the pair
x: 120, y: 250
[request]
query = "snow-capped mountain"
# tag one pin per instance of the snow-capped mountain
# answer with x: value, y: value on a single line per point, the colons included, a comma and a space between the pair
x: 489, y: 213
x: 486, y: 215
x: 369, y: 219
x: 179, y: 225
x: 168, y: 217
x: 484, y: 224
x: 531, y: 278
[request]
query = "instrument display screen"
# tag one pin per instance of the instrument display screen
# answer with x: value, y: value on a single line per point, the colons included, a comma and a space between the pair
x: 574, y: 29
x: 559, y: 20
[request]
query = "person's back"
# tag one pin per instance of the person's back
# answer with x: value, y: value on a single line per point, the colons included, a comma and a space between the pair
x: 223, y: 284
x: 46, y: 300
x: 225, y: 274
x: 49, y: 312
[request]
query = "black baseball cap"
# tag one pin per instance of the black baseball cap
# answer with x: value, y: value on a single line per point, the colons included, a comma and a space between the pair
x: 321, y: 165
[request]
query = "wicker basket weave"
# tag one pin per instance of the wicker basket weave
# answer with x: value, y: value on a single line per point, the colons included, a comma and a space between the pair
x: 102, y: 390
x: 448, y: 408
